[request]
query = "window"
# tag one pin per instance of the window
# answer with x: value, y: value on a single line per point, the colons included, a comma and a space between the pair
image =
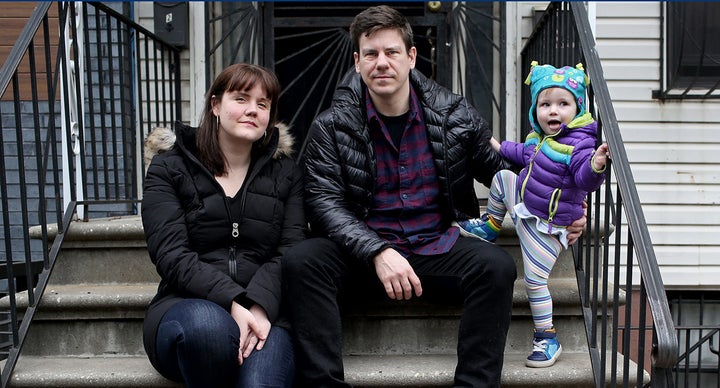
x: 692, y: 56
x: 696, y: 315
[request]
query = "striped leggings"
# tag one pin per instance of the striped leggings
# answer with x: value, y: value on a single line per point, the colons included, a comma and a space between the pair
x: 539, y: 250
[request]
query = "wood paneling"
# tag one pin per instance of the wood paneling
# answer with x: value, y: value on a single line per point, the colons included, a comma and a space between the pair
x: 13, y: 18
x: 17, y: 9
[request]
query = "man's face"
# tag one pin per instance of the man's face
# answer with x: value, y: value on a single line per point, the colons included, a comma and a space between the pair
x: 384, y: 63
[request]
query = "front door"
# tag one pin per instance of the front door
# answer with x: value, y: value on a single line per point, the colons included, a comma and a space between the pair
x: 308, y: 45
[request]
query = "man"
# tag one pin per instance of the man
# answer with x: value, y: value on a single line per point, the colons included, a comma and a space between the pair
x: 388, y: 168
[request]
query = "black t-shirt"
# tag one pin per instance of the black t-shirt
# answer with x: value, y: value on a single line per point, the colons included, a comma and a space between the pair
x: 395, y: 126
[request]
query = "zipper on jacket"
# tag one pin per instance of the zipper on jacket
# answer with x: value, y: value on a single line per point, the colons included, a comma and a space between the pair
x: 235, y: 232
x: 529, y: 167
x: 552, y: 207
x: 232, y: 267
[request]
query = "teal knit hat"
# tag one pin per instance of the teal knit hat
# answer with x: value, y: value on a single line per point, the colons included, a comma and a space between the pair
x: 571, y: 79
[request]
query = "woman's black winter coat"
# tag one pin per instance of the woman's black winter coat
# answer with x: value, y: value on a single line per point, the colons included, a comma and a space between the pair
x: 340, y: 162
x: 192, y: 238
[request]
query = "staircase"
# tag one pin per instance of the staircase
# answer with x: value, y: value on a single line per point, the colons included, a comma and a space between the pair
x: 87, y: 331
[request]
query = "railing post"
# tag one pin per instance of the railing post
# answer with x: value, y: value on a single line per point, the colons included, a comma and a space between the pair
x: 73, y: 190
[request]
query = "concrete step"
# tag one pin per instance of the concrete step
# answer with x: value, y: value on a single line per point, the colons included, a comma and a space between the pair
x: 75, y: 320
x: 107, y: 371
x: 413, y: 327
x: 432, y: 370
x: 87, y: 330
x: 571, y: 370
x: 90, y: 301
x: 106, y: 319
x: 113, y: 250
x: 104, y: 250
x: 103, y: 262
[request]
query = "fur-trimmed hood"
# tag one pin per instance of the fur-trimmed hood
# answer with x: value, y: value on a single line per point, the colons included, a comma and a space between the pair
x: 162, y: 139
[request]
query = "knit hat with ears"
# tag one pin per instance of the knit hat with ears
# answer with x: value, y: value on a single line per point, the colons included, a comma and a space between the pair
x: 571, y: 79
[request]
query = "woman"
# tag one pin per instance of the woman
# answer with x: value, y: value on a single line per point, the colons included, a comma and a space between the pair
x: 219, y: 209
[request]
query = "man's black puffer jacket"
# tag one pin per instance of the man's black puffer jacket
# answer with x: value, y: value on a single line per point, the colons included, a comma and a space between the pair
x: 190, y: 233
x: 340, y: 163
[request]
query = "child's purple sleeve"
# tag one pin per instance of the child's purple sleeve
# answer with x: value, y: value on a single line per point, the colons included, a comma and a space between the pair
x: 513, y: 152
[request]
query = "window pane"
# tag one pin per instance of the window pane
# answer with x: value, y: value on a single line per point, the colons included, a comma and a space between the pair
x: 693, y: 45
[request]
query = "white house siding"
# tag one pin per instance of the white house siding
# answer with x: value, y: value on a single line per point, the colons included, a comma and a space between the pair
x: 144, y: 16
x: 672, y: 146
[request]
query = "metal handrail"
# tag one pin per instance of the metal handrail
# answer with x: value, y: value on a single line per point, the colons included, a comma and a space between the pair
x: 665, y: 353
x: 43, y: 278
x: 20, y: 250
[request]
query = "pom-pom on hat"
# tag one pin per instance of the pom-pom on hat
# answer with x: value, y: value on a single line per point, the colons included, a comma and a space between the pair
x: 571, y: 79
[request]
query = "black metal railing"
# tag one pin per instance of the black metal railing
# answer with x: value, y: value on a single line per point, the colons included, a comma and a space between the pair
x: 630, y: 332
x: 79, y: 90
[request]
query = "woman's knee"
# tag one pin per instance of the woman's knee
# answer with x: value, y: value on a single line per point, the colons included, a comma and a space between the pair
x: 273, y: 366
x: 204, y: 326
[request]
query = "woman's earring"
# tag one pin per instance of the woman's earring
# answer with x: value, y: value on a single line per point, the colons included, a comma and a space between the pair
x: 217, y: 122
x: 265, y: 135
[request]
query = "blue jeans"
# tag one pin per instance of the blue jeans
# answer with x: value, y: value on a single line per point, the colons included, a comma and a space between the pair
x: 197, y: 344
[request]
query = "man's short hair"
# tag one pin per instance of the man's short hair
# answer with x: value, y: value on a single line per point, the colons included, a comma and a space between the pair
x: 379, y: 18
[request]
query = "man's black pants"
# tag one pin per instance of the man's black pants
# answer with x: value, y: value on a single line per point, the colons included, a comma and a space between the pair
x: 475, y: 273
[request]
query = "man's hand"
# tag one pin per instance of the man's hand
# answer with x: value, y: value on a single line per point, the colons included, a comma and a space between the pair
x: 575, y: 230
x: 396, y: 275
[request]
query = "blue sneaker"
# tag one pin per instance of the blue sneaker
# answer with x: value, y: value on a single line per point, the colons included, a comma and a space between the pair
x: 546, y: 349
x: 485, y: 228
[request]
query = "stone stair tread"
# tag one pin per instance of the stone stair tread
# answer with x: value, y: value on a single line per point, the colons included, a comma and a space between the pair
x: 94, y: 371
x: 137, y: 296
x: 98, y: 229
x: 79, y: 303
x: 572, y: 370
x: 90, y: 301
x: 564, y: 290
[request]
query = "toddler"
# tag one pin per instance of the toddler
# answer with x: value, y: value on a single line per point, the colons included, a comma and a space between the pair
x: 559, y: 167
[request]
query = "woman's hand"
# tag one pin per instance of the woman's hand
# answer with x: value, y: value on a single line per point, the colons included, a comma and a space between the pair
x: 247, y: 324
x: 257, y: 337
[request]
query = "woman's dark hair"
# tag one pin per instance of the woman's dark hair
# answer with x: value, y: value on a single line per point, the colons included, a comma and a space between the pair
x: 379, y: 18
x: 238, y: 77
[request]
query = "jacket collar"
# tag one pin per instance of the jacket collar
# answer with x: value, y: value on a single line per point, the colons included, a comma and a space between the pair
x: 162, y: 139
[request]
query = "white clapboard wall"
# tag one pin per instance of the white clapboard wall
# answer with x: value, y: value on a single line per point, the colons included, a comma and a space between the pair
x: 673, y: 146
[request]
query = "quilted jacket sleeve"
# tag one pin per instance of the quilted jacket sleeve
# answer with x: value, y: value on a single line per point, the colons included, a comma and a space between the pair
x: 485, y: 161
x: 328, y: 207
x: 513, y: 152
x: 581, y: 168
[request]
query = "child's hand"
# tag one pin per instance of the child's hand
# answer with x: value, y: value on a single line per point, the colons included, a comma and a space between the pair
x: 495, y: 144
x: 600, y: 158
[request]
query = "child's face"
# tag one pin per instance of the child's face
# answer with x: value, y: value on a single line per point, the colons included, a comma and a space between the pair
x: 555, y: 106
